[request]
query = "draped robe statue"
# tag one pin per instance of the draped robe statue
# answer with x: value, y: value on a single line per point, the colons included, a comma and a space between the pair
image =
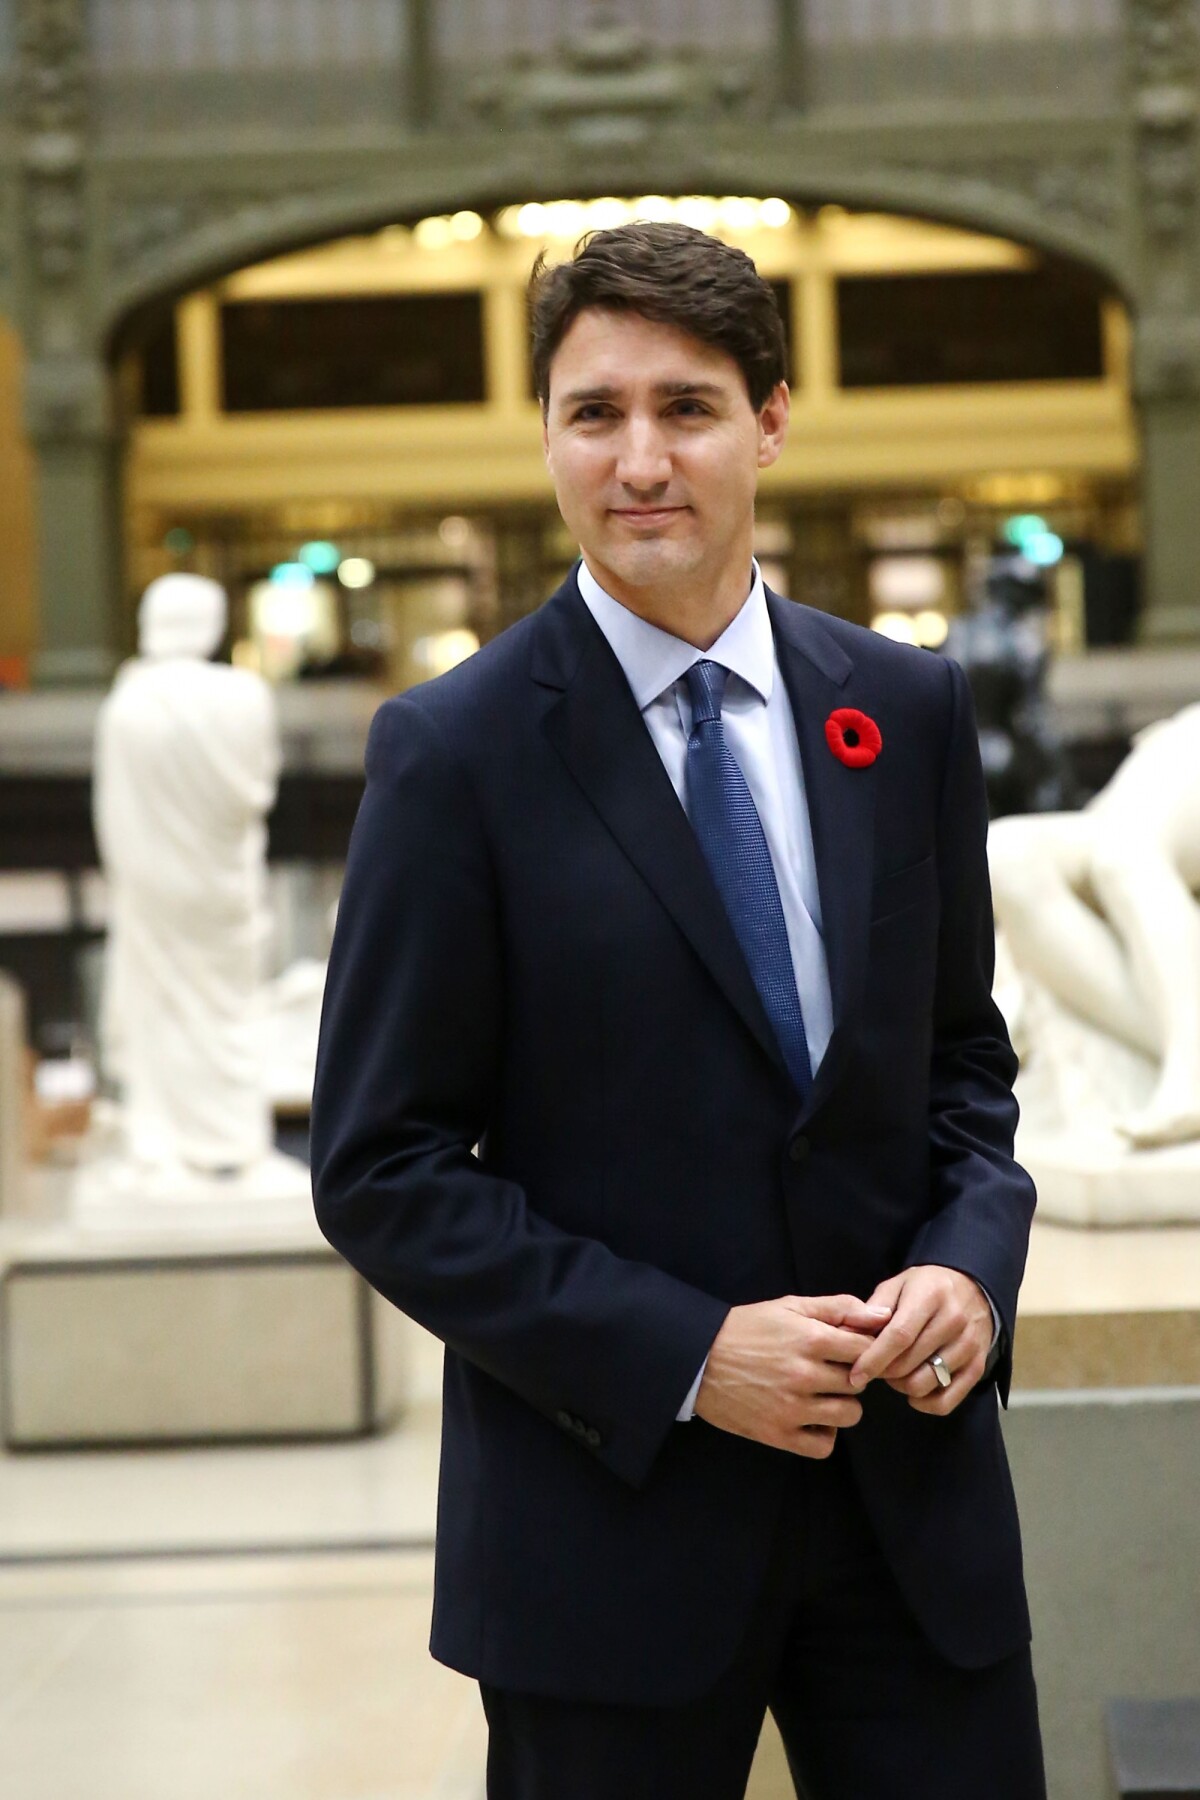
x: 187, y: 763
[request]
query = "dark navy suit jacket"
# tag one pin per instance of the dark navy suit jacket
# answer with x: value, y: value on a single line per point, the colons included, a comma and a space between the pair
x: 531, y: 959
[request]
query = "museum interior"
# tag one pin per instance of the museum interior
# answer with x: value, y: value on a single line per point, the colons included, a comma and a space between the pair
x: 263, y: 327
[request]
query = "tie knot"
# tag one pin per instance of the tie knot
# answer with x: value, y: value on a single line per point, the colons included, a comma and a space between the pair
x: 706, y: 685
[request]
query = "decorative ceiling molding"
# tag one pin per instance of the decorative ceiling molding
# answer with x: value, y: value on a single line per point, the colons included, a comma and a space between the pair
x: 51, y: 106
x: 155, y: 238
x: 607, y: 83
x: 1072, y: 192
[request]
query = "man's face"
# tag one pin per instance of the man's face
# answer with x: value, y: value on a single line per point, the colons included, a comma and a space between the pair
x: 655, y: 452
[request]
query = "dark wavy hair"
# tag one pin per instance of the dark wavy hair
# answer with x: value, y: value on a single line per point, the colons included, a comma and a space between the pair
x: 673, y: 274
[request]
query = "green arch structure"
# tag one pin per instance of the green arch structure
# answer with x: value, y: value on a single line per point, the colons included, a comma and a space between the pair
x: 89, y: 236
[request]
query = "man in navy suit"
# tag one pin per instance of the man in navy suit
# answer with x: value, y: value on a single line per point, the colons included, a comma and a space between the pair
x: 660, y: 1078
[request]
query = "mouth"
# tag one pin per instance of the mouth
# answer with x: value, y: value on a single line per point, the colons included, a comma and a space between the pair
x: 647, y: 515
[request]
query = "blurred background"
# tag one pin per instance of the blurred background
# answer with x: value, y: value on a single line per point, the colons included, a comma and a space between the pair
x: 262, y: 268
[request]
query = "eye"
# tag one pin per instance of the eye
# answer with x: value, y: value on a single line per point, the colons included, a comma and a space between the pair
x: 590, y: 412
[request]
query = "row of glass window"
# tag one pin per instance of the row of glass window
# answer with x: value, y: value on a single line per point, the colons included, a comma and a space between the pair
x: 427, y: 349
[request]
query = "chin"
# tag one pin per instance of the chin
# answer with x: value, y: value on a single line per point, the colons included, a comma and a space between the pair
x: 653, y: 560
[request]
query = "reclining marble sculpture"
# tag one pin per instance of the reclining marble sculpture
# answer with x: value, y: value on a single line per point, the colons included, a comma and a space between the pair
x: 1099, y: 974
x: 186, y: 769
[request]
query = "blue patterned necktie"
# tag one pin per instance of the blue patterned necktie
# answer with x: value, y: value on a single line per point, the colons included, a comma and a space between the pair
x: 725, y: 820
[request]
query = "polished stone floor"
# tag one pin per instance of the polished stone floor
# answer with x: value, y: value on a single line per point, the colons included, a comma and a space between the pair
x: 241, y: 1623
x: 252, y: 1623
x: 271, y: 1677
x: 247, y: 1677
x: 237, y: 1624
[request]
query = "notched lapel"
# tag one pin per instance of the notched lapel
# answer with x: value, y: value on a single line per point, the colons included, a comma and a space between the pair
x: 841, y: 803
x: 596, y: 728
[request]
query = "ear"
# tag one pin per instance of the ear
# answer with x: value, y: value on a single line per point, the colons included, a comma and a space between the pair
x: 773, y: 425
x: 546, y: 444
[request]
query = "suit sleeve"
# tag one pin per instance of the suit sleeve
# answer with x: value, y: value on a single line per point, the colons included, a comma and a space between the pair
x: 407, y: 1076
x: 983, y: 1200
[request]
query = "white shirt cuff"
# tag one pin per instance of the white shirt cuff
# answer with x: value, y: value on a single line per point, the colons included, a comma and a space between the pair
x: 995, y: 1317
x: 687, y: 1410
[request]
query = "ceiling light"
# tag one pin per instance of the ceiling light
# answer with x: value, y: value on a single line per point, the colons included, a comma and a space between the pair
x: 292, y: 574
x: 320, y: 556
x: 433, y: 234
x: 896, y: 625
x: 356, y: 572
x: 931, y: 629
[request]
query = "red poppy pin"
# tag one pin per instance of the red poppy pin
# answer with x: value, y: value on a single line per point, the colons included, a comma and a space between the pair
x: 854, y: 738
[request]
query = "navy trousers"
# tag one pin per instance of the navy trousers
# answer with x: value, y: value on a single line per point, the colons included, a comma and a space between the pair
x: 864, y: 1705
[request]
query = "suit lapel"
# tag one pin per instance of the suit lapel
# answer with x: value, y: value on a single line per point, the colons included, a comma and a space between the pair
x: 594, y: 724
x: 819, y: 677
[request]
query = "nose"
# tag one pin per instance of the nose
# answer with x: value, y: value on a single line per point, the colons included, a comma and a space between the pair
x: 643, y: 460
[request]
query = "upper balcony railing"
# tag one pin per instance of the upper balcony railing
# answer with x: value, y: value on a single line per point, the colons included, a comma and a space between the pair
x: 241, y: 70
x: 867, y: 20
x: 914, y: 53
x: 261, y: 68
x: 245, y: 34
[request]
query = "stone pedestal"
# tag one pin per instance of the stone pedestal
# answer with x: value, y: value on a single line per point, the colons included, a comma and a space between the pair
x: 1114, y: 1310
x: 12, y: 1095
x: 1155, y: 1747
x: 190, y: 1331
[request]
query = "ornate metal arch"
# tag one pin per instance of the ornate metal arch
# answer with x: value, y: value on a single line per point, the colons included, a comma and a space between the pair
x: 163, y: 241
x: 90, y: 231
x: 1069, y: 206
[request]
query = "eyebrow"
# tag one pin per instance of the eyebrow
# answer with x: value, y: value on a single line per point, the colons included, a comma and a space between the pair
x: 671, y: 390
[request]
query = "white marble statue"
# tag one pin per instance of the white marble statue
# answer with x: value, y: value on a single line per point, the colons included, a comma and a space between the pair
x: 187, y: 763
x: 1099, y: 974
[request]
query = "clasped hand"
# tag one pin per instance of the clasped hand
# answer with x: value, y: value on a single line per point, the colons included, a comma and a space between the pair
x: 788, y: 1372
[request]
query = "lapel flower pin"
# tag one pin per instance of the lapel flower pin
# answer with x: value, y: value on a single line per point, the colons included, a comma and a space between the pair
x: 854, y: 738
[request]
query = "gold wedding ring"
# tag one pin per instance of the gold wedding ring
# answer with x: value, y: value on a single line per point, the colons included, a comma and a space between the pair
x: 944, y: 1377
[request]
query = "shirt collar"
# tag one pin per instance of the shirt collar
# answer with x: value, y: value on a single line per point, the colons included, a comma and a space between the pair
x: 653, y: 659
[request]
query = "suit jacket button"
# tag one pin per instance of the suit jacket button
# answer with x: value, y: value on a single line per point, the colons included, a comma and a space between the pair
x: 798, y: 1149
x: 579, y: 1428
x: 564, y: 1419
x: 593, y: 1437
